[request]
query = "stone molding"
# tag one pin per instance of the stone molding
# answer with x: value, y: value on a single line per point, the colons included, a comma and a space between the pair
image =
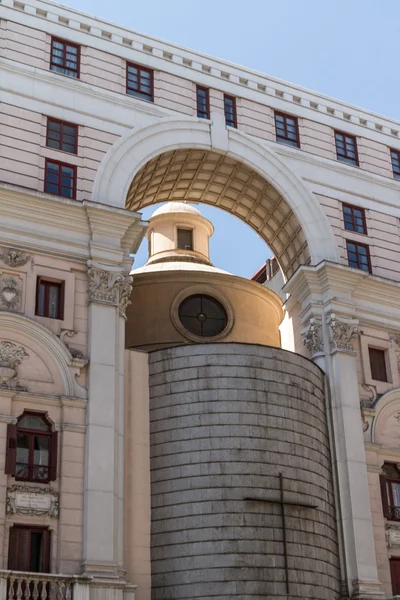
x: 312, y: 337
x: 10, y: 293
x: 12, y: 507
x: 110, y: 287
x: 341, y: 333
x: 13, y: 257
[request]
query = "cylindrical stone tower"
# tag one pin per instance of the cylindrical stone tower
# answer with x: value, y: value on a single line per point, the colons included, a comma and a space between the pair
x: 229, y: 424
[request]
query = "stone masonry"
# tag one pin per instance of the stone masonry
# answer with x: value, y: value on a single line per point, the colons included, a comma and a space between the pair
x: 226, y: 420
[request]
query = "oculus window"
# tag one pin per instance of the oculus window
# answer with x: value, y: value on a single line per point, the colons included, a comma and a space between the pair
x: 203, y: 315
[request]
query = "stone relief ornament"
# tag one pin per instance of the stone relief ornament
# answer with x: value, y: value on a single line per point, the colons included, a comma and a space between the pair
x: 110, y: 287
x: 25, y: 500
x: 312, y: 337
x: 368, y: 402
x: 341, y: 333
x: 393, y: 536
x: 14, y: 257
x: 11, y: 356
x: 73, y: 351
x: 10, y: 293
x: 394, y: 339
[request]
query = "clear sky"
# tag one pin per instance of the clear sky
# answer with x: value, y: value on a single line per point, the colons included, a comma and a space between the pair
x: 348, y: 49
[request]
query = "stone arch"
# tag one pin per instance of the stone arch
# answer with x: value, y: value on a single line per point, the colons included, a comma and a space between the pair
x: 191, y: 160
x: 52, y: 350
x: 386, y: 425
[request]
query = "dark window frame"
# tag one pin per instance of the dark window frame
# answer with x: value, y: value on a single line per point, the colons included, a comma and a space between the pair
x: 62, y: 125
x: 78, y: 59
x: 358, y: 244
x: 11, y: 451
x: 353, y: 218
x: 394, y: 562
x: 203, y: 114
x: 60, y: 308
x: 343, y: 157
x: 59, y: 186
x: 147, y: 97
x: 232, y: 121
x: 285, y: 139
x: 390, y: 510
x: 178, y: 229
x: 13, y: 562
x: 395, y: 168
x: 375, y: 367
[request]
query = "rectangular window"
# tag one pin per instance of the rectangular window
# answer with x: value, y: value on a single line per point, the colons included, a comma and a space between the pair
x: 395, y: 155
x: 29, y: 550
x: 65, y: 58
x: 378, y: 364
x: 230, y: 111
x: 358, y: 256
x: 185, y: 239
x: 203, y: 102
x: 62, y: 136
x: 60, y: 179
x: 395, y: 575
x: 139, y: 82
x: 346, y: 148
x: 287, y: 130
x: 354, y: 219
x: 49, y: 299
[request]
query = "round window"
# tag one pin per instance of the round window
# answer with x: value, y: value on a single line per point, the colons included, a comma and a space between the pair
x: 203, y: 315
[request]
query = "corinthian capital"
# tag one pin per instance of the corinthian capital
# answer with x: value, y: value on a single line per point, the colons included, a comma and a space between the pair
x: 109, y: 287
x: 312, y: 337
x: 341, y: 333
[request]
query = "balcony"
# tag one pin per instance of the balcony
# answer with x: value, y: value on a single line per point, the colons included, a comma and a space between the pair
x: 394, y: 513
x: 19, y: 585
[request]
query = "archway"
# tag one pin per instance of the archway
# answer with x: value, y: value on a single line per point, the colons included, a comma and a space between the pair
x: 191, y: 160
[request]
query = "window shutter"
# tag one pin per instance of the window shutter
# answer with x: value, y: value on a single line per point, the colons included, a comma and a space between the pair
x: 53, y: 456
x: 11, y: 451
x: 18, y: 549
x: 385, y: 503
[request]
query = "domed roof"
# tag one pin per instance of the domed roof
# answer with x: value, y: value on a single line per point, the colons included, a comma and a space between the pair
x: 176, y: 207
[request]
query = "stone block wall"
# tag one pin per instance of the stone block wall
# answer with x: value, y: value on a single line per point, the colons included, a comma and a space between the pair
x: 225, y: 421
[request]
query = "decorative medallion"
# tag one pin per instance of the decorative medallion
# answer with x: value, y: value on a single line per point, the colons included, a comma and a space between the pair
x: 11, y: 356
x: 341, y: 333
x: 312, y: 337
x: 25, y: 500
x: 14, y: 257
x: 10, y: 293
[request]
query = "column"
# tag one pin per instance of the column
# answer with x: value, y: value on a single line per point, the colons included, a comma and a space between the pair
x: 109, y: 290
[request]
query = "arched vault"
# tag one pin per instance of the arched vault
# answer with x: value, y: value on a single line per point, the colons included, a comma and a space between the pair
x: 181, y: 160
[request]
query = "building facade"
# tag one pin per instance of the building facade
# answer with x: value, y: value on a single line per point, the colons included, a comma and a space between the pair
x: 98, y: 122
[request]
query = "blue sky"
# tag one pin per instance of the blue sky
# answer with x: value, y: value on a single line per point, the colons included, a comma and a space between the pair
x: 348, y: 49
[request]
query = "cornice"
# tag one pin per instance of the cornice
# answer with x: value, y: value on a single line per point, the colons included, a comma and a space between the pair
x: 200, y: 67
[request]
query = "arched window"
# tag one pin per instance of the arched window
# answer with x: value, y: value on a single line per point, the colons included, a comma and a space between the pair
x: 32, y: 449
x: 390, y: 488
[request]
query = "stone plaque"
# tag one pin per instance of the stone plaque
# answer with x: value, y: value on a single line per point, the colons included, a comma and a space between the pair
x: 393, y: 536
x: 32, y: 501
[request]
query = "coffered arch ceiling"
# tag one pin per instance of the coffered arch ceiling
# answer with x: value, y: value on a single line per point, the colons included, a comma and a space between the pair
x: 217, y: 179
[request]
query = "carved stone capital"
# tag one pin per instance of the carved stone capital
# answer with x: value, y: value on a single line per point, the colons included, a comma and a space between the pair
x: 312, y: 337
x: 341, y: 333
x: 110, y: 287
x: 11, y: 356
x: 14, y: 257
x: 10, y: 293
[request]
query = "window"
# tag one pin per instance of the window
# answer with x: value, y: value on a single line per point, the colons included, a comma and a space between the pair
x: 139, y: 82
x: 390, y: 491
x: 358, y: 256
x: 230, y: 111
x: 346, y: 148
x: 65, y: 58
x: 287, y: 130
x: 185, y: 239
x: 29, y: 550
x: 395, y: 155
x: 60, y: 179
x: 354, y: 218
x: 395, y: 575
x: 378, y: 364
x: 49, y: 299
x: 32, y: 449
x: 62, y: 136
x: 203, y: 102
x: 203, y: 315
